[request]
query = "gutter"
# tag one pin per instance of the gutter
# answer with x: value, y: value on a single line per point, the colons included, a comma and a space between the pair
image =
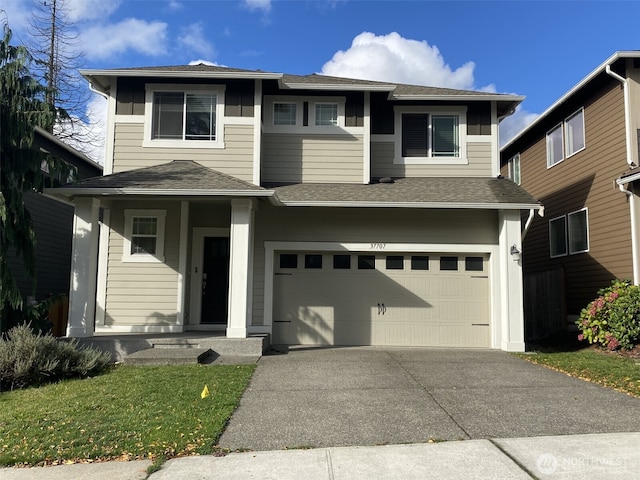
x: 627, y: 111
x: 532, y: 212
x: 357, y: 204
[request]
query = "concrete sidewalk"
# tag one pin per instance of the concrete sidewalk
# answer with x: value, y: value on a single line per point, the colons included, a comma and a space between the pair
x: 590, y: 457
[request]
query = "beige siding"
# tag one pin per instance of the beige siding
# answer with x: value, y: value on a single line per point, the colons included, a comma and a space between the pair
x: 291, y: 158
x: 365, y: 226
x: 142, y: 293
x: 235, y: 159
x: 585, y: 179
x: 479, y: 155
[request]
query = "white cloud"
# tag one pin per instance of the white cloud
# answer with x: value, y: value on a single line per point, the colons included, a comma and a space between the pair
x: 17, y: 14
x: 264, y: 5
x: 203, y: 62
x: 514, y: 124
x: 193, y: 39
x: 174, y: 5
x: 80, y: 10
x: 392, y: 58
x: 131, y: 34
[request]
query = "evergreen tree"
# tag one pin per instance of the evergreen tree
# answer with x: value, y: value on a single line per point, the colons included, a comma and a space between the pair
x: 23, y: 107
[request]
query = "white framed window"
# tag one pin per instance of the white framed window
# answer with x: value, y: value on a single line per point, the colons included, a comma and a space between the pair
x: 184, y: 116
x: 143, y: 235
x: 285, y: 113
x: 288, y: 114
x: 326, y: 114
x: 554, y: 146
x: 578, y: 229
x: 566, y: 139
x: 514, y: 168
x: 558, y: 236
x: 574, y: 133
x: 430, y: 135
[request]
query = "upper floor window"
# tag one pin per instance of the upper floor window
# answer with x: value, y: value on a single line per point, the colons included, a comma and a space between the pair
x: 430, y: 135
x: 284, y: 113
x: 566, y: 139
x: 326, y: 114
x: 143, y: 235
x: 514, y: 168
x: 189, y: 117
x: 289, y: 114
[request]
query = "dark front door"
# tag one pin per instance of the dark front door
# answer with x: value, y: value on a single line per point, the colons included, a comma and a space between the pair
x: 215, y: 280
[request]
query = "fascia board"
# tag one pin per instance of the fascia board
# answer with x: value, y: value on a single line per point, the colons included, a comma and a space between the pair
x: 498, y: 97
x: 178, y: 74
x: 452, y: 205
x: 628, y: 179
x: 69, y: 192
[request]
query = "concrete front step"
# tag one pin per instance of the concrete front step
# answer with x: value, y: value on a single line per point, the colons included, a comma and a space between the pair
x: 170, y: 356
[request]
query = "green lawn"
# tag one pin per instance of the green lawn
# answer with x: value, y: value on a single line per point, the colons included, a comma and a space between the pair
x: 127, y: 413
x: 606, y: 369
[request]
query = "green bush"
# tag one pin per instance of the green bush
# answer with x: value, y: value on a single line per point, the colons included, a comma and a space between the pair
x: 31, y: 359
x: 613, y: 319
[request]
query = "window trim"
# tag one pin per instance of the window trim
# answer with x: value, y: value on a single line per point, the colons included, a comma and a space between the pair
x: 566, y: 246
x: 299, y: 127
x: 572, y: 214
x: 129, y: 215
x: 513, y: 172
x: 460, y: 112
x: 584, y: 136
x: 152, y: 88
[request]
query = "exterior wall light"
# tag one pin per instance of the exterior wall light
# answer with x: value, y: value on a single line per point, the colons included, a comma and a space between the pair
x: 515, y: 253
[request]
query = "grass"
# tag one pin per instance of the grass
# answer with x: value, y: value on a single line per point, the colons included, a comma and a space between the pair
x: 128, y: 413
x: 593, y: 365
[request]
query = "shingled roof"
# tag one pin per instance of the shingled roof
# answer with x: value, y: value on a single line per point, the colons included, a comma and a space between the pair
x: 424, y: 192
x: 179, y: 177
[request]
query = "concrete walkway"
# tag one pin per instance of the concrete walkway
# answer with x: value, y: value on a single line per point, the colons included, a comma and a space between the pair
x: 578, y: 457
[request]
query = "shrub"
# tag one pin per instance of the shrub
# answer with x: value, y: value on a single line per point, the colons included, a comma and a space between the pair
x: 613, y: 319
x: 30, y: 359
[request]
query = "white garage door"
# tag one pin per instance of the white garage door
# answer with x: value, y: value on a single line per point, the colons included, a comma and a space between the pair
x: 391, y: 299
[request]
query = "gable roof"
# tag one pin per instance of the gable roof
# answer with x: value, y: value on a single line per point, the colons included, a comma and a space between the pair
x: 422, y: 192
x: 101, y: 79
x: 600, y: 70
x: 179, y: 177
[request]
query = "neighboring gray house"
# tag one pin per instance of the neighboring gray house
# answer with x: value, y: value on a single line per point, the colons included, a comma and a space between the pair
x: 53, y: 224
x: 312, y: 209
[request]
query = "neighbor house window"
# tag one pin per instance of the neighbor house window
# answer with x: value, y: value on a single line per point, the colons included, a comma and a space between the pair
x: 189, y: 117
x: 566, y: 139
x: 558, y: 236
x: 424, y: 136
x: 574, y: 132
x: 514, y: 169
x: 143, y: 236
x: 284, y: 113
x: 578, y: 229
x: 554, y: 146
x: 327, y: 114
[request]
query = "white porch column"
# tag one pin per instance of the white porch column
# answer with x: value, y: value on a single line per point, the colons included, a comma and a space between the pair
x: 511, y: 298
x: 84, y: 265
x: 241, y: 267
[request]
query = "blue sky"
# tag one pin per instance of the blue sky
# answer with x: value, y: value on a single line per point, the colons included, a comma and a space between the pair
x: 539, y: 49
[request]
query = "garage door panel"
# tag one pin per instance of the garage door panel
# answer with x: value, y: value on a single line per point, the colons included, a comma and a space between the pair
x: 383, y: 307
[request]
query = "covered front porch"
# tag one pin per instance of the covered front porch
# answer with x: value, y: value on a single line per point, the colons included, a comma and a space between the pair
x: 142, y: 267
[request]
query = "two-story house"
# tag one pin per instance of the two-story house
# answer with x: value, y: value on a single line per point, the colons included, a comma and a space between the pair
x: 571, y: 158
x: 53, y: 226
x: 312, y: 209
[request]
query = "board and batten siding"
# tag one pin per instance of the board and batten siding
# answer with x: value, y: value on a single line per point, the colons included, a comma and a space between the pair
x: 294, y: 158
x: 478, y: 154
x: 585, y: 179
x: 362, y: 225
x: 235, y: 159
x: 142, y: 293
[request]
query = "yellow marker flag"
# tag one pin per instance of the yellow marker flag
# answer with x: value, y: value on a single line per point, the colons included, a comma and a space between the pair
x: 205, y: 392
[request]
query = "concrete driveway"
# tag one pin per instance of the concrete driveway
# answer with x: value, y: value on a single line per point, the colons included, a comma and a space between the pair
x: 327, y: 397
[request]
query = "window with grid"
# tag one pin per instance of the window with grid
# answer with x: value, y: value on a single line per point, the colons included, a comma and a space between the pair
x: 143, y: 235
x: 326, y: 114
x: 284, y: 113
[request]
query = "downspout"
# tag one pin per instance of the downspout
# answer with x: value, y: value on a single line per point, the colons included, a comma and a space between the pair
x: 635, y: 258
x: 627, y: 111
x: 532, y: 212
